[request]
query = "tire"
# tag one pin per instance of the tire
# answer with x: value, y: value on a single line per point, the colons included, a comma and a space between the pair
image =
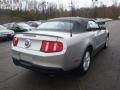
x: 85, y: 63
x: 106, y: 43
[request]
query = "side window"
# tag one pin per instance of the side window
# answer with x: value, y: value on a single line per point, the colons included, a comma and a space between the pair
x: 77, y: 28
x: 16, y: 27
x: 92, y: 24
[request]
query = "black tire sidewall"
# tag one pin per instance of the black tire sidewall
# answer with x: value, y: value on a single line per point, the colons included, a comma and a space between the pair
x: 81, y: 68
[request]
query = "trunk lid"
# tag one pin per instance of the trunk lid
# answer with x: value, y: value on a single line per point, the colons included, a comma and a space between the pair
x: 50, y: 33
x: 33, y: 40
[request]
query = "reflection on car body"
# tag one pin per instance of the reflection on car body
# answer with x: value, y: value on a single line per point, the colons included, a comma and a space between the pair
x: 18, y: 27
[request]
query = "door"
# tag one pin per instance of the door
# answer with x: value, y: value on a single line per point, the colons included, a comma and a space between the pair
x: 99, y: 35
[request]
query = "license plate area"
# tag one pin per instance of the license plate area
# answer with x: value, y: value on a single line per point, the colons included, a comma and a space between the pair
x: 26, y: 57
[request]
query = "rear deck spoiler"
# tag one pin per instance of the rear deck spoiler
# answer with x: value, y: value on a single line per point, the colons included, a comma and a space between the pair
x: 33, y: 34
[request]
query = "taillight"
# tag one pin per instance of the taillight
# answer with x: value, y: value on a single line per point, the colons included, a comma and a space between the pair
x: 51, y: 46
x: 15, y: 41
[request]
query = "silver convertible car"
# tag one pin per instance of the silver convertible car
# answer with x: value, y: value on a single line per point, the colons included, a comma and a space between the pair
x: 59, y: 45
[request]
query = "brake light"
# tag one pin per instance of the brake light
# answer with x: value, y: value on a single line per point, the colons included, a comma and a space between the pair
x: 15, y: 41
x: 51, y: 46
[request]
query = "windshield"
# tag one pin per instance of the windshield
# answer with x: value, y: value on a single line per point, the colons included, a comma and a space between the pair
x: 56, y: 25
x: 2, y: 27
x: 23, y: 25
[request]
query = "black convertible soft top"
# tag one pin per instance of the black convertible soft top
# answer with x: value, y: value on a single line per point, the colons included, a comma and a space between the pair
x: 78, y: 19
x: 82, y: 21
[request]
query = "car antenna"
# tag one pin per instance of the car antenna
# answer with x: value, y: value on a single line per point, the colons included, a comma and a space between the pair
x: 70, y: 31
x: 70, y: 27
x: 70, y: 17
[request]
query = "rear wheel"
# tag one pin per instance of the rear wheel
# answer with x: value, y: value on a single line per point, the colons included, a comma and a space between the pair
x: 86, y: 62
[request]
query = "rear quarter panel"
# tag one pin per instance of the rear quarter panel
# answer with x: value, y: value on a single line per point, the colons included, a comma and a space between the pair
x: 76, y: 47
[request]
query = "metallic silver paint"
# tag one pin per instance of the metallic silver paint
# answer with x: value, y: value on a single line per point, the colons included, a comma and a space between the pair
x: 73, y: 50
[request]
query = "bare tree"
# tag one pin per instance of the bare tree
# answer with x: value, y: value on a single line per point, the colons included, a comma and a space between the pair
x: 26, y: 5
x: 114, y: 9
x: 61, y: 10
x: 115, y: 3
x: 72, y: 8
x: 94, y: 3
x: 1, y: 3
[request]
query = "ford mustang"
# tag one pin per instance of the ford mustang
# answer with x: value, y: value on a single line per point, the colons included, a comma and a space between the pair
x: 60, y: 44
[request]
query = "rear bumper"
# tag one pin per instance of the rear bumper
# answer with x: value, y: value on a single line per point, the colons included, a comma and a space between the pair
x: 34, y: 67
x: 40, y: 59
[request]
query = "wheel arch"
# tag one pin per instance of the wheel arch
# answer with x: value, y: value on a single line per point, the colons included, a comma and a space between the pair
x: 90, y: 48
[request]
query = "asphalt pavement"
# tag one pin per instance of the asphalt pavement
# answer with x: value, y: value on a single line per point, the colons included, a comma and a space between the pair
x: 104, y: 73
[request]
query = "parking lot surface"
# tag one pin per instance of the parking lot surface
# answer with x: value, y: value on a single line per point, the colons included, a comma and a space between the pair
x: 104, y: 73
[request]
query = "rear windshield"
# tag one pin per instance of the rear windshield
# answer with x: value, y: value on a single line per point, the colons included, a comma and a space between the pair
x: 56, y: 25
x: 2, y: 27
x: 23, y: 25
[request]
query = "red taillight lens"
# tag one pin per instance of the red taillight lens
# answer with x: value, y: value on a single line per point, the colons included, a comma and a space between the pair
x: 15, y: 41
x: 51, y: 46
